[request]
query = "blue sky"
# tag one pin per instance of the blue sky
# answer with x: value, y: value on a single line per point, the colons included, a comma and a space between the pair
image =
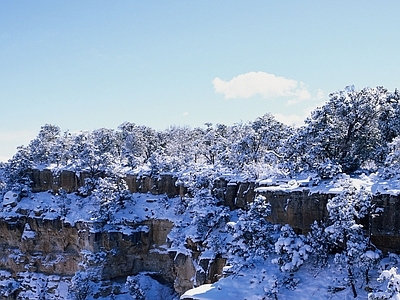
x: 84, y: 65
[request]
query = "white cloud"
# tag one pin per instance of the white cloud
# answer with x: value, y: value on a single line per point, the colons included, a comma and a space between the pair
x: 300, y: 95
x: 185, y: 114
x: 298, y: 119
x: 4, y: 158
x: 295, y: 120
x: 261, y: 83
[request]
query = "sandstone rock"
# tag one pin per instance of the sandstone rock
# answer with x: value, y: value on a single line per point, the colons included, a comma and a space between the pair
x: 234, y: 194
x: 69, y: 181
x: 298, y: 209
x: 163, y: 184
x: 185, y: 271
x: 41, y: 180
x: 245, y: 194
x: 212, y: 269
x: 56, y: 248
x: 385, y: 226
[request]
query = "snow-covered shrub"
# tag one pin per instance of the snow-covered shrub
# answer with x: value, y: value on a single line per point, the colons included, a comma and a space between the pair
x: 64, y: 202
x: 392, y: 291
x: 93, y: 263
x: 291, y: 249
x: 133, y: 286
x: 107, y: 195
x: 260, y: 208
x: 8, y: 285
x: 197, y: 178
x: 345, y: 212
x: 80, y: 286
x: 200, y: 217
x: 160, y: 163
x: 328, y: 169
x: 207, y: 215
x: 271, y: 289
x: 86, y: 189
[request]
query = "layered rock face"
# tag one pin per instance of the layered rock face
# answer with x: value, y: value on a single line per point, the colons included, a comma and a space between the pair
x: 69, y: 181
x: 299, y: 209
x: 45, y: 246
x: 385, y: 227
x: 54, y: 248
x: 234, y: 194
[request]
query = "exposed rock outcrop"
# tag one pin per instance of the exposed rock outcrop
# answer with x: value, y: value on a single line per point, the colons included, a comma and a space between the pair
x: 57, y: 248
x: 385, y: 226
x: 299, y: 209
x: 234, y: 194
x: 47, y: 180
x: 162, y: 184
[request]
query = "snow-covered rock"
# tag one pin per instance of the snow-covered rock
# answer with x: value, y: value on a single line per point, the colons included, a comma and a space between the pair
x: 10, y: 198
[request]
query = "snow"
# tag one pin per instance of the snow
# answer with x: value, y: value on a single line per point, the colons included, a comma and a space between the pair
x: 138, y: 208
x: 10, y: 198
x: 28, y: 233
x: 263, y: 278
x: 375, y: 183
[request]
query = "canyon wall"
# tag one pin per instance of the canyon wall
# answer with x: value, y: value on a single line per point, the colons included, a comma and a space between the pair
x: 69, y: 181
x: 53, y: 247
x: 298, y: 208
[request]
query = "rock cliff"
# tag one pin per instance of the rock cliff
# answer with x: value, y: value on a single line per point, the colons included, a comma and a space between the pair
x: 298, y: 208
x: 55, y: 248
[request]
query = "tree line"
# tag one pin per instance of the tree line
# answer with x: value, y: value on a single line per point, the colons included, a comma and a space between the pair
x: 353, y: 130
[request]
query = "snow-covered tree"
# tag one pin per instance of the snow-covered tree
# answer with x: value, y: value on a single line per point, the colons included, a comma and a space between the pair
x: 17, y: 170
x: 252, y: 234
x: 392, y: 162
x: 108, y: 194
x: 354, y: 249
x: 41, y: 147
x: 320, y: 248
x: 348, y: 130
x: 96, y: 152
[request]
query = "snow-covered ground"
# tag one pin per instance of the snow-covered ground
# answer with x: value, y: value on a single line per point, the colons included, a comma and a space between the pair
x: 374, y: 183
x: 264, y: 280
